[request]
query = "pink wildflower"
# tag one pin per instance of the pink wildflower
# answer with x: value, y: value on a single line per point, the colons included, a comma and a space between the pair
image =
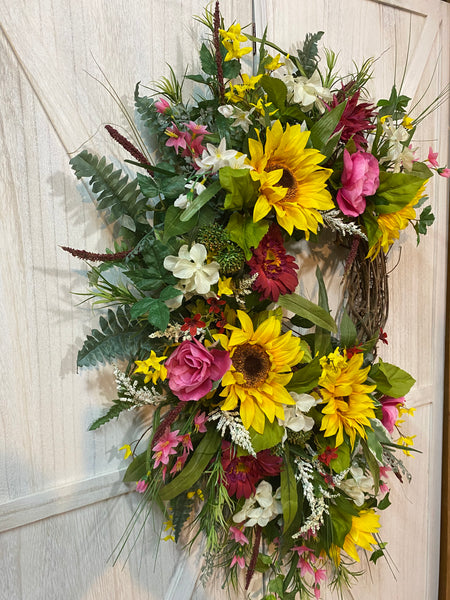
x: 165, y: 447
x: 238, y: 536
x: 319, y: 575
x: 199, y: 422
x: 444, y: 172
x: 141, y: 486
x: 304, y: 566
x: 187, y: 442
x: 389, y: 407
x: 179, y: 463
x: 238, y: 560
x: 176, y: 137
x: 432, y: 158
x: 196, y: 129
x: 162, y: 106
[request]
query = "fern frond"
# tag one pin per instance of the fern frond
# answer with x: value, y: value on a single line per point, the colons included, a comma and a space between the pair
x: 309, y: 54
x: 117, y: 195
x: 118, y: 338
x: 118, y: 407
x: 181, y: 509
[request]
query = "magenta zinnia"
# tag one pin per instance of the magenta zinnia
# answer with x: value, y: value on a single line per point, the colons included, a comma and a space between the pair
x: 242, y: 473
x: 356, y: 120
x: 275, y: 268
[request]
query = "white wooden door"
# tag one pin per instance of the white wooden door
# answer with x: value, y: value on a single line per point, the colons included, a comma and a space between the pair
x: 62, y: 504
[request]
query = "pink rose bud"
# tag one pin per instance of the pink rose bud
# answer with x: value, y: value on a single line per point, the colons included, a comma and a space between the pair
x: 360, y: 178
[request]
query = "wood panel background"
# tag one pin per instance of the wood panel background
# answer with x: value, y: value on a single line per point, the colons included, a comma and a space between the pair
x: 62, y: 504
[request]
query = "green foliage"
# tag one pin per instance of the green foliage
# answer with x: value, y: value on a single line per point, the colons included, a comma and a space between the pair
x: 118, y: 338
x: 272, y: 435
x: 322, y: 131
x: 308, y: 310
x: 115, y: 194
x: 118, y: 407
x: 322, y: 340
x: 245, y: 232
x: 181, y: 509
x: 289, y: 496
x: 396, y: 190
x: 276, y: 90
x: 426, y: 219
x: 242, y: 190
x: 391, y: 380
x: 395, y: 106
x: 200, y: 201
x: 308, y: 56
x: 347, y: 331
x: 137, y: 469
x: 305, y: 378
x: 194, y: 468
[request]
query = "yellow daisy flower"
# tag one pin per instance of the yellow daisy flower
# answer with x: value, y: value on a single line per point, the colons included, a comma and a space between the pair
x: 363, y: 526
x: 348, y: 404
x: 151, y: 368
x: 262, y: 362
x: 291, y: 180
x: 391, y: 224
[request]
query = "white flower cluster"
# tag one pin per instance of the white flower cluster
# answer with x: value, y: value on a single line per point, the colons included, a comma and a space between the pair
x: 357, y: 485
x: 335, y: 223
x: 398, y: 153
x: 215, y: 158
x: 317, y: 503
x: 306, y: 92
x: 128, y: 391
x: 191, y: 267
x: 232, y: 421
x: 295, y: 417
x: 260, y: 508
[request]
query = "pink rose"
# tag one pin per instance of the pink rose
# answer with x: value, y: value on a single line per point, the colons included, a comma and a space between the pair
x: 360, y: 178
x: 192, y: 368
x: 390, y: 411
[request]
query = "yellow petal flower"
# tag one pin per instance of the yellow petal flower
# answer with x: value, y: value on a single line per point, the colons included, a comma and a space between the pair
x: 225, y: 287
x: 291, y: 181
x: 262, y: 362
x: 128, y: 451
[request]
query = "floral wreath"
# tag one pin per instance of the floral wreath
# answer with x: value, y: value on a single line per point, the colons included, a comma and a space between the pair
x: 275, y: 430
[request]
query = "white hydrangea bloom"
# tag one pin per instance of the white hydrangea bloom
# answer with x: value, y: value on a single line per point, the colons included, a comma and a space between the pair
x: 295, y: 417
x: 358, y: 485
x: 260, y: 508
x: 190, y: 266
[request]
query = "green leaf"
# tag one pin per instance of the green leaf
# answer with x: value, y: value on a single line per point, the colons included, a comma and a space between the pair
x: 289, y: 496
x: 118, y: 338
x: 309, y: 54
x: 200, y: 201
x: 276, y: 90
x: 245, y: 233
x: 207, y: 61
x: 343, y: 459
x: 347, y: 330
x: 118, y: 407
x: 323, y: 129
x: 137, y: 469
x: 169, y: 292
x: 396, y: 190
x: 194, y: 468
x: 426, y: 219
x: 181, y: 509
x: 305, y: 378
x: 158, y: 312
x: 242, y: 190
x: 173, y: 225
x: 391, y: 380
x: 322, y: 339
x: 341, y: 522
x: 172, y: 187
x: 384, y: 503
x: 308, y: 310
x: 148, y: 185
x: 372, y: 464
x: 231, y: 69
x: 272, y: 435
x: 374, y: 445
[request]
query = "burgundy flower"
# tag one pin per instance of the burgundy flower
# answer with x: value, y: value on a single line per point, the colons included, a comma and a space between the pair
x: 356, y: 118
x: 275, y: 268
x: 242, y: 473
x: 328, y: 455
x: 193, y: 324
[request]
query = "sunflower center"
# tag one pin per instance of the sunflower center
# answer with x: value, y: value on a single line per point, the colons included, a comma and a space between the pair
x: 253, y: 362
x: 287, y: 180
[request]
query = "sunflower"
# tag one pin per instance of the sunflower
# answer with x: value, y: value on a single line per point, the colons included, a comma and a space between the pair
x: 262, y: 362
x: 348, y: 404
x: 291, y: 182
x: 391, y: 224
